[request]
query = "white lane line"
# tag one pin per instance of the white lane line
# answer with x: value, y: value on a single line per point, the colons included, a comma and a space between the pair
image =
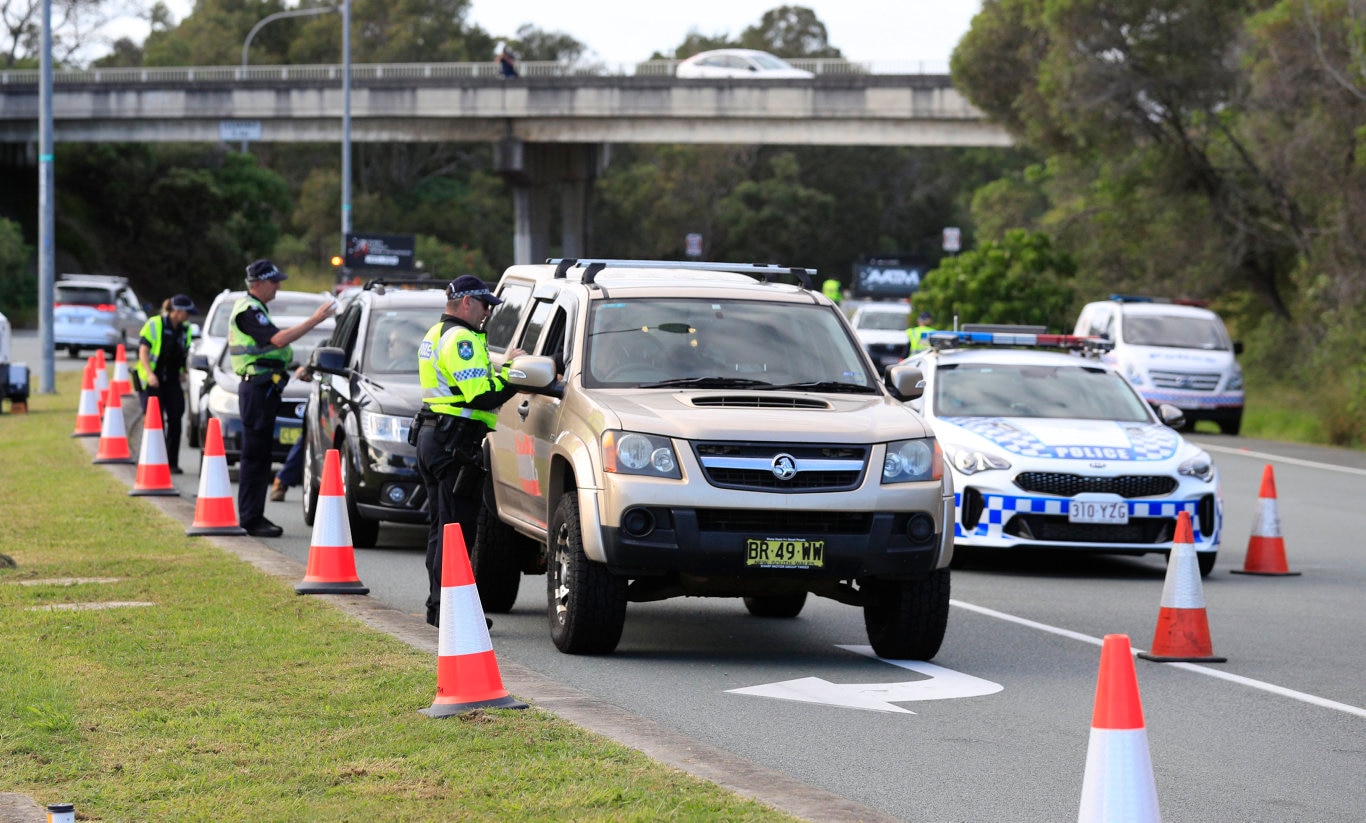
x: 1279, y: 459
x: 1191, y: 667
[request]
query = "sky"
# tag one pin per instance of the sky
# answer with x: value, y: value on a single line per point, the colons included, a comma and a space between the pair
x: 629, y: 31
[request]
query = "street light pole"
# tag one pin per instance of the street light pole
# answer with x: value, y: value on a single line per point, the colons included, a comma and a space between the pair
x: 246, y: 44
x: 346, y: 126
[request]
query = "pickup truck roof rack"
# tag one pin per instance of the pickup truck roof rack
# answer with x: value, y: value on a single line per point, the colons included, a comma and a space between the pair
x: 806, y: 277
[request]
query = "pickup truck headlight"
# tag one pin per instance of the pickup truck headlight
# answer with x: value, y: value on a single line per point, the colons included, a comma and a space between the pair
x: 385, y: 427
x: 642, y: 454
x: 910, y: 461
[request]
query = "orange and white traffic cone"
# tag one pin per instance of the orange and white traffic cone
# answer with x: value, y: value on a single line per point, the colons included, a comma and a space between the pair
x: 1266, y: 546
x: 467, y: 675
x: 331, y: 557
x: 1119, y: 784
x: 215, y: 511
x: 113, y: 446
x: 122, y: 384
x: 101, y: 380
x: 88, y: 412
x: 154, y: 473
x: 1182, y: 634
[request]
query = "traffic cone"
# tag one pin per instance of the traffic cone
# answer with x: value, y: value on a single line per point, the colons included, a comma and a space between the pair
x: 1266, y: 547
x: 154, y: 473
x: 113, y: 433
x: 467, y: 674
x: 1182, y: 634
x: 215, y: 511
x: 1119, y: 784
x: 101, y: 380
x: 121, y: 383
x: 331, y: 557
x: 88, y: 412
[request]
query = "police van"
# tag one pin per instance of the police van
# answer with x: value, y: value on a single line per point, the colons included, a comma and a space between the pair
x: 1172, y: 351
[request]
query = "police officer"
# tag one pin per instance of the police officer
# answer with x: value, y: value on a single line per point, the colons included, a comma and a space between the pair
x: 917, y: 333
x: 831, y: 289
x: 461, y: 394
x: 261, y: 356
x: 163, y: 348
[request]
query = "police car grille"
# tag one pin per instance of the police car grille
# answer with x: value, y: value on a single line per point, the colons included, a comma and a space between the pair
x: 1052, y: 528
x: 749, y: 466
x: 772, y: 521
x: 1180, y: 380
x: 1071, y: 485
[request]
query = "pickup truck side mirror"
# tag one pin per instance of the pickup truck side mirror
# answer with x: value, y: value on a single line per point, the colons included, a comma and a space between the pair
x: 906, y: 382
x: 535, y: 374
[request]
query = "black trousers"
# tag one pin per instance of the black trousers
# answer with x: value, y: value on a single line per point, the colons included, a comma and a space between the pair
x: 171, y: 397
x: 439, y: 471
x: 258, y: 404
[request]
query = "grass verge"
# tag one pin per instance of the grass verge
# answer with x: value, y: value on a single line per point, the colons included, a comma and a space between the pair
x: 232, y: 698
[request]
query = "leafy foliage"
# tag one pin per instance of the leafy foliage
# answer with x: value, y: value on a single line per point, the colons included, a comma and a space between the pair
x: 18, y: 288
x: 1020, y: 279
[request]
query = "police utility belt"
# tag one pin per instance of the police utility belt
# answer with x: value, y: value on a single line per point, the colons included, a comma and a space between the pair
x: 266, y: 377
x: 461, y: 437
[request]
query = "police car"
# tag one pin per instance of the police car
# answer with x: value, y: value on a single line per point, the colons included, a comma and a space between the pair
x: 1050, y: 448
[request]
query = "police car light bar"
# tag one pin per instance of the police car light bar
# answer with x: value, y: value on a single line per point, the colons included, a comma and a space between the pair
x: 954, y: 339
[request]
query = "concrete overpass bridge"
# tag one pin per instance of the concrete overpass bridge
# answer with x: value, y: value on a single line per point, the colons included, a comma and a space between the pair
x: 551, y: 128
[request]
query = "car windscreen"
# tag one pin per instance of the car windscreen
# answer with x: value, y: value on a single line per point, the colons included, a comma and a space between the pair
x: 83, y: 296
x: 393, y: 338
x: 721, y: 342
x: 1021, y: 390
x: 882, y: 321
x: 1175, y: 331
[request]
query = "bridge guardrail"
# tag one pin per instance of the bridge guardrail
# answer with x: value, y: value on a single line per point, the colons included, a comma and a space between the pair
x: 424, y: 71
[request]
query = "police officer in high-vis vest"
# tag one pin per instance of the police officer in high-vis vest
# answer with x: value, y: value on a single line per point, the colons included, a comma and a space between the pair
x: 916, y: 334
x: 163, y: 348
x: 461, y: 394
x: 261, y: 355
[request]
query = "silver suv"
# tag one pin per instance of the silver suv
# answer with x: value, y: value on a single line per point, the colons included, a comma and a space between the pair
x: 96, y: 311
x: 706, y: 429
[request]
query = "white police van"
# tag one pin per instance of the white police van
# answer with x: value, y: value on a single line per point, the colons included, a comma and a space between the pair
x: 1172, y: 351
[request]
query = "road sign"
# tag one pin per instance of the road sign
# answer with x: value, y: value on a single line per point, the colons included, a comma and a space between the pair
x: 940, y: 684
x: 953, y: 239
x: 694, y: 244
x: 380, y: 251
x: 239, y: 131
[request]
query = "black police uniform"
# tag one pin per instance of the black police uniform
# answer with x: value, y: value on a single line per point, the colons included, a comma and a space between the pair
x: 258, y: 402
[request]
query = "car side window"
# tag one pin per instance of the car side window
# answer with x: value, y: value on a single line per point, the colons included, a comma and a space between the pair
x: 502, y: 324
x: 344, y: 333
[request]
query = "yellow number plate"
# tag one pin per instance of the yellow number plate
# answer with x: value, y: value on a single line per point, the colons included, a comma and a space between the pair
x: 290, y: 436
x: 784, y: 554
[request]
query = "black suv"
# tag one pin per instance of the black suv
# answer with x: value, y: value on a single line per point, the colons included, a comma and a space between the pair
x: 363, y: 401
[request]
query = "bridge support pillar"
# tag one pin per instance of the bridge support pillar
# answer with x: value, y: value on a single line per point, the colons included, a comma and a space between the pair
x: 537, y: 173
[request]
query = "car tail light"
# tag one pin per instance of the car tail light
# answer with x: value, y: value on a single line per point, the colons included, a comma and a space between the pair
x: 108, y: 307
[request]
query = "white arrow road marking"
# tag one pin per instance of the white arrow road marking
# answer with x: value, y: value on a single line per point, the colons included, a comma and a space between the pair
x: 940, y: 684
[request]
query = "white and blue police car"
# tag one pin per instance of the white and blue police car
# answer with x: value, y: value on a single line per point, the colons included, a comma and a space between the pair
x: 1050, y: 448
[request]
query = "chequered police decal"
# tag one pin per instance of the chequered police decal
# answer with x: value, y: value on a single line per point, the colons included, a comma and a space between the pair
x: 1151, y: 442
x: 998, y: 509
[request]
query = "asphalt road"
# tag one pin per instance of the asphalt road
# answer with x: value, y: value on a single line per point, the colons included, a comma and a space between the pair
x: 1274, y: 734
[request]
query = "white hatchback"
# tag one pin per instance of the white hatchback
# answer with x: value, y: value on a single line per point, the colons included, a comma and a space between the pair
x: 739, y: 63
x: 1055, y: 450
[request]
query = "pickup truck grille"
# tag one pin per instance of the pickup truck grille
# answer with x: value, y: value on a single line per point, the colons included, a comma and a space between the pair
x: 782, y: 467
x: 784, y: 521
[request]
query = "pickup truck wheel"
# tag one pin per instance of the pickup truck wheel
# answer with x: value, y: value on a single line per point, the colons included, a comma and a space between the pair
x: 906, y: 619
x: 364, y: 533
x: 497, y: 574
x: 587, y: 604
x: 776, y: 605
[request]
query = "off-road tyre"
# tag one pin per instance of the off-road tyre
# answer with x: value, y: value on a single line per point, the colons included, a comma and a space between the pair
x: 495, y: 563
x: 586, y: 603
x: 776, y: 605
x: 906, y: 619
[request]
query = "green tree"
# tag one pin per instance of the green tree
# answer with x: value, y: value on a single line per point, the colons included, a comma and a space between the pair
x: 18, y: 288
x: 789, y: 31
x: 1020, y: 279
x: 774, y: 220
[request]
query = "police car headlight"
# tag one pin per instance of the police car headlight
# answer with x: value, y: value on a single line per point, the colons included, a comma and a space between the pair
x: 970, y: 461
x: 222, y: 403
x: 643, y: 454
x: 910, y: 461
x: 1235, y: 383
x: 1134, y: 375
x: 385, y: 427
x: 1200, y: 467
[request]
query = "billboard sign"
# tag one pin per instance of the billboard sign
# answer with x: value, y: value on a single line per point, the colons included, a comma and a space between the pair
x: 380, y: 251
x: 888, y: 277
